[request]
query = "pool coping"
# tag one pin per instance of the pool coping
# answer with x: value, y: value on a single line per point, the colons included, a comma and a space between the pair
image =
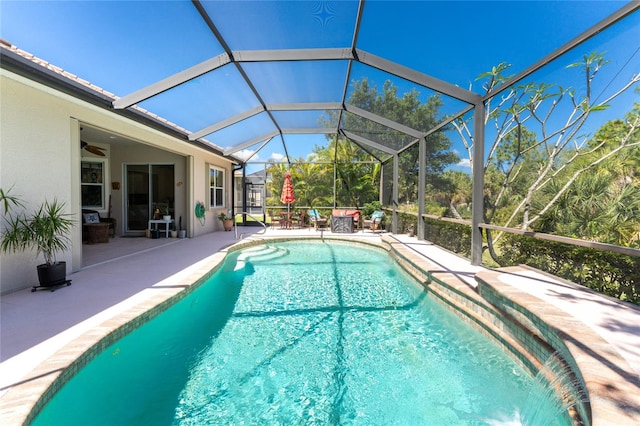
x: 612, y: 403
x: 612, y: 386
x: 613, y: 393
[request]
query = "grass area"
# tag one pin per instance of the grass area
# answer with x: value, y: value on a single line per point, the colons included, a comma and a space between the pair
x: 250, y: 219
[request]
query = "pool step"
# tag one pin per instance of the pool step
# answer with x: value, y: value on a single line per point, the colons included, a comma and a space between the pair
x: 260, y: 254
x: 255, y: 254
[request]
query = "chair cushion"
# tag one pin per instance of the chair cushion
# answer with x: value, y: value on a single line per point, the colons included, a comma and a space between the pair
x: 91, y: 217
x: 344, y: 212
x: 354, y: 213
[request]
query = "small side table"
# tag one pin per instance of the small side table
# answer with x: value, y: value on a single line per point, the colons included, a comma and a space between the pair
x: 342, y: 224
x: 156, y: 222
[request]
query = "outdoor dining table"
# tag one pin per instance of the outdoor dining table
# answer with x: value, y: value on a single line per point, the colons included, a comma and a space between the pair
x: 285, y: 220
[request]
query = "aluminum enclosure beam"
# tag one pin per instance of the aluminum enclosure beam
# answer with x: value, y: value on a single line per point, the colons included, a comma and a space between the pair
x: 226, y: 123
x: 422, y: 186
x: 214, y: 29
x: 395, y: 191
x: 347, y: 77
x: 262, y: 145
x: 367, y: 142
x: 439, y: 126
x: 292, y: 55
x: 384, y: 121
x: 249, y: 143
x: 305, y: 106
x: 349, y: 54
x: 366, y: 149
x: 477, y: 194
x: 172, y: 81
x: 620, y: 14
x: 309, y: 131
x: 310, y: 106
x: 418, y: 77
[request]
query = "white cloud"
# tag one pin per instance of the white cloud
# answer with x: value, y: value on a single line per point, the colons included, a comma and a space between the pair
x: 277, y: 156
x: 245, y: 154
x: 465, y: 162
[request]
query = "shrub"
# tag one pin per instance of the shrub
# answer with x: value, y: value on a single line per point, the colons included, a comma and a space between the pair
x: 616, y: 275
x: 613, y: 274
x: 369, y: 208
x: 452, y: 236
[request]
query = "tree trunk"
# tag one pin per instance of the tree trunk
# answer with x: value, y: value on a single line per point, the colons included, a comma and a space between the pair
x: 454, y: 211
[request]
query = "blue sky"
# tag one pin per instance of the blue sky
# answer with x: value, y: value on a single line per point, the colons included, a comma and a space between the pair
x: 123, y: 46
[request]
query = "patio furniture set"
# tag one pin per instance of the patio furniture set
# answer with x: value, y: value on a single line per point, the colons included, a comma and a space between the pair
x: 346, y: 221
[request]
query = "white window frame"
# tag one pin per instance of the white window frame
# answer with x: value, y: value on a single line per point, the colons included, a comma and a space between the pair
x: 101, y: 184
x: 213, y: 189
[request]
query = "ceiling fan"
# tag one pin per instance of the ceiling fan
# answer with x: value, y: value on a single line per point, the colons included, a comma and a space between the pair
x: 93, y: 149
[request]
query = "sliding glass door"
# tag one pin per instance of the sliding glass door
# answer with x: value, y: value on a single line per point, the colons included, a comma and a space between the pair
x: 149, y: 188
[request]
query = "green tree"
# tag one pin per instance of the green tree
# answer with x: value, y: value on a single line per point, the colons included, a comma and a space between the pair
x: 408, y: 110
x: 538, y: 143
x: 457, y: 194
x: 357, y: 174
x: 604, y: 204
x: 312, y: 184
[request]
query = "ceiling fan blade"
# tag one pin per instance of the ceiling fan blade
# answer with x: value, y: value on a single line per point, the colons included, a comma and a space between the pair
x: 95, y: 150
x: 92, y: 148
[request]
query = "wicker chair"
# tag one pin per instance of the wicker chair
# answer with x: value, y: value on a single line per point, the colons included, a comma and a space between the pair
x: 89, y: 216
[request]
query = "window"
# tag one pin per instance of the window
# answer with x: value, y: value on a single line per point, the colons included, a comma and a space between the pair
x: 216, y: 187
x: 92, y: 184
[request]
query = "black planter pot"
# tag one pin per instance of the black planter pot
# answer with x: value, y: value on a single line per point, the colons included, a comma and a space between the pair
x: 52, y: 275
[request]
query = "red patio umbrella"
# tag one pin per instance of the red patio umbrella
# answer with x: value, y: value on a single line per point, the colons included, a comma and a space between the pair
x: 287, y: 195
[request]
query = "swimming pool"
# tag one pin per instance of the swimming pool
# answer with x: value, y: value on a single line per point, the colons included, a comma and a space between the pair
x: 300, y: 333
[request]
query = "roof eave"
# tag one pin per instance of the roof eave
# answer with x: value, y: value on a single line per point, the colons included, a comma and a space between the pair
x: 25, y: 67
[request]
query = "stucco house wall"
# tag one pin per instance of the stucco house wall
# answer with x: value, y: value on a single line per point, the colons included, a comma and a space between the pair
x: 40, y: 158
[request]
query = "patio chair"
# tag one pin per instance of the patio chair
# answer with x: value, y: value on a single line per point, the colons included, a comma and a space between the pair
x: 92, y: 216
x: 317, y: 221
x: 300, y: 219
x: 273, y: 220
x: 375, y: 222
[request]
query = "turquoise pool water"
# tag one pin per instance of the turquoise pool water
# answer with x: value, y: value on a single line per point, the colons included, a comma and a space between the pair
x: 301, y: 334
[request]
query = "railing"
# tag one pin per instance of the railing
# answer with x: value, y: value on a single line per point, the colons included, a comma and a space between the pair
x: 566, y: 240
x: 446, y: 219
x: 235, y: 224
x: 539, y: 235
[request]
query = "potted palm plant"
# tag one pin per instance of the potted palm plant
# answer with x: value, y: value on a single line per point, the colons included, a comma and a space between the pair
x: 46, y: 230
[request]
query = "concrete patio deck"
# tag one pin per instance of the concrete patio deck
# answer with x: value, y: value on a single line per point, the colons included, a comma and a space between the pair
x: 34, y: 326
